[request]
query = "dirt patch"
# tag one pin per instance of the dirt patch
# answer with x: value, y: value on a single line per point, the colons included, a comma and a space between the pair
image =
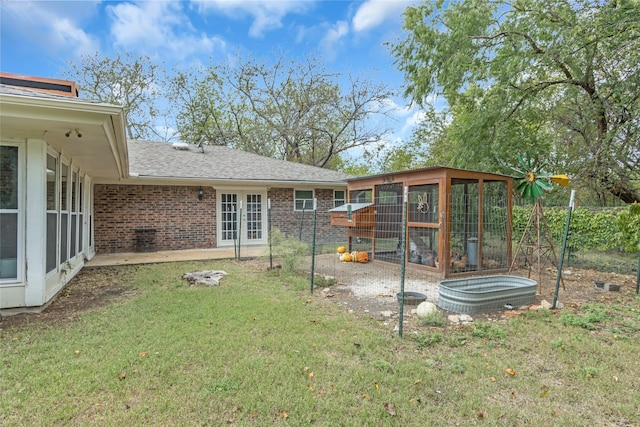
x: 89, y: 289
x: 371, y: 289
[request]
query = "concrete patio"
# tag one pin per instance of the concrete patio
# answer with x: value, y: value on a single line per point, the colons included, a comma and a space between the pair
x: 101, y: 260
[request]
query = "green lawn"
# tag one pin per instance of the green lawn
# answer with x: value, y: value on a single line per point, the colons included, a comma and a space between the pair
x: 259, y: 350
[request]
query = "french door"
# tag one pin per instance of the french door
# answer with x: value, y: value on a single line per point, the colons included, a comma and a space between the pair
x: 242, y: 216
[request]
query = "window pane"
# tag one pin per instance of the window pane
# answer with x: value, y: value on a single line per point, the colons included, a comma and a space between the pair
x: 423, y: 203
x: 52, y: 222
x: 423, y: 246
x: 8, y: 245
x: 73, y: 234
x: 64, y: 202
x: 304, y: 204
x: 361, y: 196
x: 254, y: 216
x: 52, y: 168
x: 338, y: 198
x: 74, y: 181
x: 64, y: 217
x: 304, y: 194
x: 80, y: 232
x: 228, y: 205
x: 8, y: 177
x: 80, y: 195
x: 304, y: 200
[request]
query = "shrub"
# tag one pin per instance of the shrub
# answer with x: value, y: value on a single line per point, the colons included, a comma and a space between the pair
x: 599, y: 229
x: 289, y: 250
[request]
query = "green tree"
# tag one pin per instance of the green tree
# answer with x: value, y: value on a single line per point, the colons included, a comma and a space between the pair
x: 129, y: 80
x: 296, y: 111
x: 558, y: 78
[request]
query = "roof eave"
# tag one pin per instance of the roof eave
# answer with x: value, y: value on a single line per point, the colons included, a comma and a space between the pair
x: 134, y: 178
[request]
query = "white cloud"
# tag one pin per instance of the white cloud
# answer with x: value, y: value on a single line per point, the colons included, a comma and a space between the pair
x: 267, y: 15
x: 159, y: 27
x: 331, y: 38
x: 67, y: 34
x: 56, y: 25
x: 412, y: 121
x: 372, y: 13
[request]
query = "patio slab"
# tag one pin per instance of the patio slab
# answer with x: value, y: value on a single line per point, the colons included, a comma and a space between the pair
x: 101, y: 260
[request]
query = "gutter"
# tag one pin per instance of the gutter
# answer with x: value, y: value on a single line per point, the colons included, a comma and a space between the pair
x: 135, y: 178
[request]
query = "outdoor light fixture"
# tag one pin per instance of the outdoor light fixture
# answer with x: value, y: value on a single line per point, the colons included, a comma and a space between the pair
x: 73, y: 131
x: 200, y: 193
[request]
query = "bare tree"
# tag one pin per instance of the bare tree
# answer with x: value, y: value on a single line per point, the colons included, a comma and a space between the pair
x: 133, y: 82
x: 289, y: 110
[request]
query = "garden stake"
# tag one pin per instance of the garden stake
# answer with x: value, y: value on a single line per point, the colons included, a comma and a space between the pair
x: 564, y: 248
x: 269, y: 222
x: 403, y: 256
x: 239, y: 229
x: 235, y: 237
x: 313, y: 242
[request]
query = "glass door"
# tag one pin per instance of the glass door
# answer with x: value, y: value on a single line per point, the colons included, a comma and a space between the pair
x: 242, y: 215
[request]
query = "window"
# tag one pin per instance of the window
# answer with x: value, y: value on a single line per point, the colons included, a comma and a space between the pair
x: 338, y: 198
x: 65, y: 176
x: 52, y: 212
x: 361, y: 196
x: 303, y: 200
x: 9, y: 212
x: 423, y: 203
x: 80, y: 214
x: 74, y: 214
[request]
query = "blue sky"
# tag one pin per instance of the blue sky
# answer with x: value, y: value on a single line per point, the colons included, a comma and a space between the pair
x: 39, y: 37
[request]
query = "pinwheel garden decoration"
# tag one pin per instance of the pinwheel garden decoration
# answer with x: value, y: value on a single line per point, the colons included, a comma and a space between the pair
x: 532, y: 183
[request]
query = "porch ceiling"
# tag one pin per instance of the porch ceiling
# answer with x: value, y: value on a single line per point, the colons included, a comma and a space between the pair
x: 98, y: 146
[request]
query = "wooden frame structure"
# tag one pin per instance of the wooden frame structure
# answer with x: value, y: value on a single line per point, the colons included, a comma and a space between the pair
x: 457, y: 221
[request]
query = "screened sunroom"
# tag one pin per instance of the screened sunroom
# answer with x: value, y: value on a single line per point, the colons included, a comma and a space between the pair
x: 52, y: 146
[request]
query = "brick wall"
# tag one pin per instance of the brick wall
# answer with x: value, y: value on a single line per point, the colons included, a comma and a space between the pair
x: 179, y: 219
x: 288, y: 221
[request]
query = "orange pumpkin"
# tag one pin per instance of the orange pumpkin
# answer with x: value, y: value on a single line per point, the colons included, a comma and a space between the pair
x: 362, y: 257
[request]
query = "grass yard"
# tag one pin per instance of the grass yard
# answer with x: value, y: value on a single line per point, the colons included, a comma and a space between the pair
x: 260, y: 350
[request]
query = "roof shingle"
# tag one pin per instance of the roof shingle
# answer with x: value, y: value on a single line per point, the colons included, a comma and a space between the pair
x: 161, y: 160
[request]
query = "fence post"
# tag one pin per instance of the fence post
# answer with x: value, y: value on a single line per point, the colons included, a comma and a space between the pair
x: 239, y: 229
x: 403, y: 256
x: 638, y: 280
x: 269, y: 231
x: 564, y: 248
x: 313, y: 242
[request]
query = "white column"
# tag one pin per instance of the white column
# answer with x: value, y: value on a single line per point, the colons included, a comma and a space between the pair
x: 89, y: 250
x: 36, y: 222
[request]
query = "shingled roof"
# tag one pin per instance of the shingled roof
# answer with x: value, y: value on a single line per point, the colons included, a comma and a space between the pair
x: 162, y: 160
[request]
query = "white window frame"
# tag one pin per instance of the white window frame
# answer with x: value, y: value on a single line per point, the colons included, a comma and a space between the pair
x: 56, y: 212
x: 20, y: 212
x: 308, y: 203
x: 64, y: 209
x: 81, y: 207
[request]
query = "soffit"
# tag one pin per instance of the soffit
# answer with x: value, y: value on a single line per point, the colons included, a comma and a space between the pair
x: 101, y: 149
